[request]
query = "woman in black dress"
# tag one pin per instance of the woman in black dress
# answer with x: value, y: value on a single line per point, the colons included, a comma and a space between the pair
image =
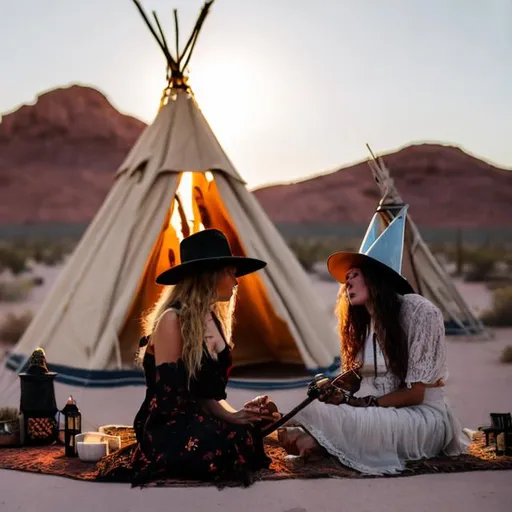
x: 185, y: 428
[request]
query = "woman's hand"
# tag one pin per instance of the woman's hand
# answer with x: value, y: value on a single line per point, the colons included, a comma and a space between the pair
x: 350, y: 382
x: 244, y: 417
x: 363, y: 401
x: 248, y: 417
x: 263, y: 406
x: 330, y: 394
x: 259, y: 410
x: 257, y: 403
x: 223, y: 410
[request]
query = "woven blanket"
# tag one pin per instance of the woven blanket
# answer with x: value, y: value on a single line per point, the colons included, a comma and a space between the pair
x: 52, y: 461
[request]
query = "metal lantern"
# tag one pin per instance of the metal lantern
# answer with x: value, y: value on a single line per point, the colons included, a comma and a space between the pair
x: 72, y: 426
x: 37, y: 402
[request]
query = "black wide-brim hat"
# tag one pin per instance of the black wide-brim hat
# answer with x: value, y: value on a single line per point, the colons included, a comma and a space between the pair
x: 207, y: 251
x: 340, y: 263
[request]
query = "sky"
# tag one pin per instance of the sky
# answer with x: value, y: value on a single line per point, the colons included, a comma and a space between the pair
x: 291, y: 88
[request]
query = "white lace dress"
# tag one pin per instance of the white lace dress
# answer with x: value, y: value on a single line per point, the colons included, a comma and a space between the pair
x: 377, y: 440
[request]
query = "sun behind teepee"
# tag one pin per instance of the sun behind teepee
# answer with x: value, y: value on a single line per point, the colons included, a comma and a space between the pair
x: 90, y: 323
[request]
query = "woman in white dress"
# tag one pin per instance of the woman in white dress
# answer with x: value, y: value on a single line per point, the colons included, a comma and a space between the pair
x: 396, y: 339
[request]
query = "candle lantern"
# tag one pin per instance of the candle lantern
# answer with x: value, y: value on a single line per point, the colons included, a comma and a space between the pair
x: 37, y: 402
x: 72, y: 426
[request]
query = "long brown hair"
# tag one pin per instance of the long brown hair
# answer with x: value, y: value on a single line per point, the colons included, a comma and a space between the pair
x: 196, y: 295
x: 354, y: 322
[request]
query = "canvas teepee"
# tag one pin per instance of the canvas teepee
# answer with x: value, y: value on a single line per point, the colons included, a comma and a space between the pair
x: 420, y: 267
x: 90, y: 323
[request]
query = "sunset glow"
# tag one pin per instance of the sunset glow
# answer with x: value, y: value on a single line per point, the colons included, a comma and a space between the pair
x: 290, y: 88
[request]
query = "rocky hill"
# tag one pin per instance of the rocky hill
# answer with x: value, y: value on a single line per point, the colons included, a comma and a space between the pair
x: 444, y: 186
x: 58, y: 157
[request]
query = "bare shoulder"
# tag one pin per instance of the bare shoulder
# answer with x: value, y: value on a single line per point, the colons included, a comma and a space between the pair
x: 167, y: 340
x: 169, y: 322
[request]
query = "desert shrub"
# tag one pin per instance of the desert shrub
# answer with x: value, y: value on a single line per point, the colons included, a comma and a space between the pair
x: 311, y: 251
x: 48, y: 252
x: 15, y: 291
x: 54, y: 253
x: 499, y: 282
x: 500, y: 314
x: 479, y: 272
x: 506, y: 355
x: 13, y: 258
x: 507, y: 261
x: 38, y: 281
x: 479, y: 264
x: 305, y: 252
x: 470, y: 254
x: 482, y: 263
x: 13, y: 327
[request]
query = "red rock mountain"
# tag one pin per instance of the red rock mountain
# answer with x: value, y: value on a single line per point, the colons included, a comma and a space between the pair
x: 58, y: 158
x: 444, y: 186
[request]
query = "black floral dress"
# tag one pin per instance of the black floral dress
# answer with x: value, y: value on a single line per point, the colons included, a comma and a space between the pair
x: 177, y: 438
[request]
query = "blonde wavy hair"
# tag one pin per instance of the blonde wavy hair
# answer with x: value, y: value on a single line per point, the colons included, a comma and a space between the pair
x: 197, y: 297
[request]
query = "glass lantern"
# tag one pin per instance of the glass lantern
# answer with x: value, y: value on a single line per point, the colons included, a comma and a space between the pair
x: 72, y: 426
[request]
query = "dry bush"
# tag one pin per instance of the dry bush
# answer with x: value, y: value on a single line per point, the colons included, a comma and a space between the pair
x: 500, y: 314
x: 15, y: 291
x: 311, y: 251
x: 13, y: 327
x: 506, y: 355
x: 52, y: 252
x: 499, y: 282
x: 13, y: 258
x: 46, y: 251
x: 481, y: 264
x: 15, y: 255
x: 38, y: 281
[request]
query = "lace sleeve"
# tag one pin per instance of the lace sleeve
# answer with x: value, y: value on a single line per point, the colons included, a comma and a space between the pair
x: 427, y: 348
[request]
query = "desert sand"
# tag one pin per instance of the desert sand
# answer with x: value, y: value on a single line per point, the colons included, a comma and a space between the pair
x: 478, y: 384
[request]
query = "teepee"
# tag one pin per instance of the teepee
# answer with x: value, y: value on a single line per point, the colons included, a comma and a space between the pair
x: 420, y: 267
x: 90, y: 324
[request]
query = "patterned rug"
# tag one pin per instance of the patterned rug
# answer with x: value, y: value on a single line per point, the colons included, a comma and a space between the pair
x: 52, y: 461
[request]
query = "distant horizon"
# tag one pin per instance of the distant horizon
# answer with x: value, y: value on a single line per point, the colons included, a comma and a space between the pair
x: 290, y: 88
x: 313, y: 175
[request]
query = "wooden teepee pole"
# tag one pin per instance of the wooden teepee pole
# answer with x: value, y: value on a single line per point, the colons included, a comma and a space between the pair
x: 177, y: 34
x: 162, y: 44
x: 175, y: 65
x: 195, y: 32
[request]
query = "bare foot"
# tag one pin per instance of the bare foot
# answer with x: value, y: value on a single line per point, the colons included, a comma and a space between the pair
x: 296, y: 441
x: 287, y: 437
x: 309, y: 448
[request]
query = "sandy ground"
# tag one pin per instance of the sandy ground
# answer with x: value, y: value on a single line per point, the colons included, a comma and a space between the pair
x: 478, y: 385
x: 440, y: 493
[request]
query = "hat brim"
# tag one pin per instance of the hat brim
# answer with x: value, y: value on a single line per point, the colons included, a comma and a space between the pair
x: 340, y: 263
x: 243, y: 266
